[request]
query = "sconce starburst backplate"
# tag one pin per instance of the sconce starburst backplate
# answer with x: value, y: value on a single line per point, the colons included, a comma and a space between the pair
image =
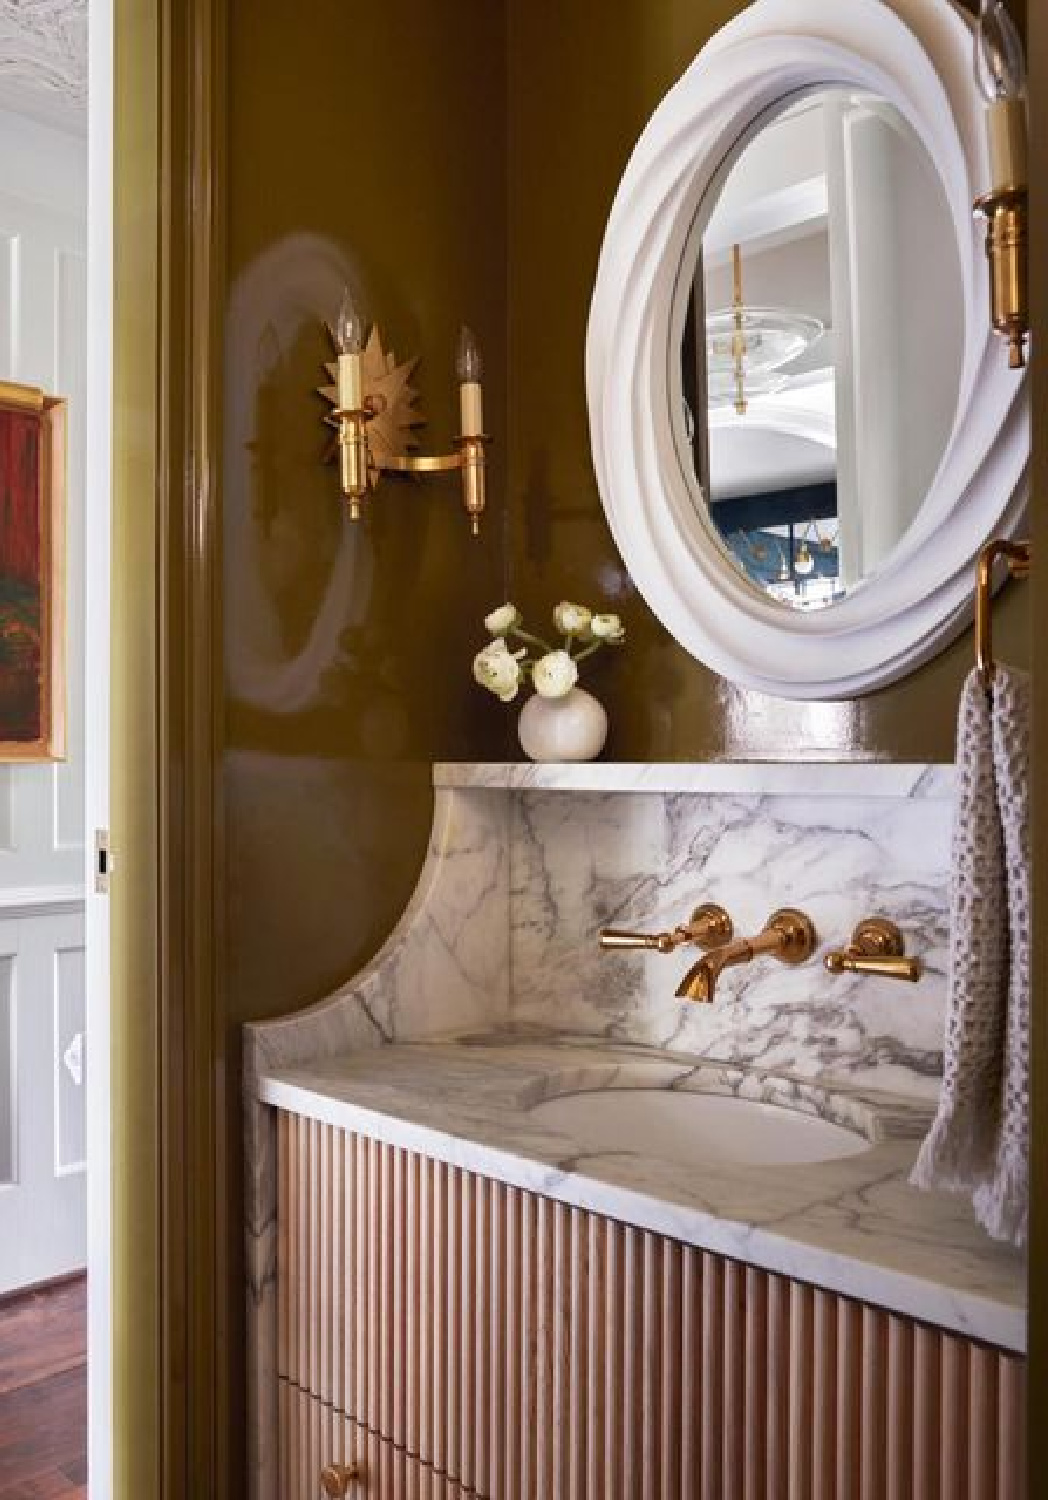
x: 388, y: 393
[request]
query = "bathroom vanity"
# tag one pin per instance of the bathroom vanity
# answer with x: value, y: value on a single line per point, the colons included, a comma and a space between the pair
x: 522, y: 1223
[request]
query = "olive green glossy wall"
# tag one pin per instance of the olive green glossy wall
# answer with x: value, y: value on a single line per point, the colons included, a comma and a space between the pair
x: 583, y: 79
x: 379, y: 137
x: 375, y: 134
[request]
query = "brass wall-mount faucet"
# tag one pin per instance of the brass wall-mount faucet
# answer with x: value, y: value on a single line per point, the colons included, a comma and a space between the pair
x: 709, y: 927
x: 788, y: 935
x: 877, y: 947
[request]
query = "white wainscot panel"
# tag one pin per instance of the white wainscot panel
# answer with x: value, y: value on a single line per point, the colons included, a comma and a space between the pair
x: 43, y: 1214
x: 70, y: 1062
x: 8, y: 1072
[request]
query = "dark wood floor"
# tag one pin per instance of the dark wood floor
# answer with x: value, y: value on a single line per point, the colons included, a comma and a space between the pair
x: 43, y: 1394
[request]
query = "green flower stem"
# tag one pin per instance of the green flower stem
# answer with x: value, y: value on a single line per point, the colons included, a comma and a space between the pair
x: 589, y: 650
x: 529, y: 639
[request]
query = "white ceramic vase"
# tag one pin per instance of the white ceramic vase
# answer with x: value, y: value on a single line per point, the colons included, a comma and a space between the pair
x: 570, y: 728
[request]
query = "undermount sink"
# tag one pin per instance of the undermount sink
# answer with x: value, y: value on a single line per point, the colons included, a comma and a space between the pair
x: 691, y: 1127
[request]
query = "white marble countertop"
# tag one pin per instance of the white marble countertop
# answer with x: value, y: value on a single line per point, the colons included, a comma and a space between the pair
x: 852, y: 1225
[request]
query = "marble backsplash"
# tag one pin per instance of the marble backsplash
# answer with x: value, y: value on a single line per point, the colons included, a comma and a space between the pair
x: 524, y: 868
x: 644, y: 859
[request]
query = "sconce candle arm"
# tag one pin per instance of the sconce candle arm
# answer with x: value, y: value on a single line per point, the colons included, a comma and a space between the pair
x: 469, y: 457
x: 437, y: 463
x: 1006, y: 211
x: 1000, y: 72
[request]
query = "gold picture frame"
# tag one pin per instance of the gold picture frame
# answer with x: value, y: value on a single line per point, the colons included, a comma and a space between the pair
x: 32, y: 574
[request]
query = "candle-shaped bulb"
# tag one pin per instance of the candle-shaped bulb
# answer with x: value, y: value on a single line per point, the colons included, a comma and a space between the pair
x: 469, y: 367
x: 351, y: 330
x: 1000, y: 71
x: 1000, y: 68
x: 350, y: 335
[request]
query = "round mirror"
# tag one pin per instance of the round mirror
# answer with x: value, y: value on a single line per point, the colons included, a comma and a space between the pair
x: 803, y: 427
x: 822, y: 344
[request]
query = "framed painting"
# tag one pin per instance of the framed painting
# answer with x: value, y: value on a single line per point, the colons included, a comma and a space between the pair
x: 32, y: 574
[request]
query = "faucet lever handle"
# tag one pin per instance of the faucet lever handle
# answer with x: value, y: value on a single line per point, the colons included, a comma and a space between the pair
x: 877, y: 948
x: 658, y: 942
x: 709, y: 927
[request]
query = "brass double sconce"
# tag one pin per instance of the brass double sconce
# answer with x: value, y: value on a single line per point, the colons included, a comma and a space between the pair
x: 373, y: 415
x: 1000, y: 72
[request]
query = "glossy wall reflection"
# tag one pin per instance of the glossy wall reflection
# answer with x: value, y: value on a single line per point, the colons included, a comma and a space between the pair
x: 348, y: 647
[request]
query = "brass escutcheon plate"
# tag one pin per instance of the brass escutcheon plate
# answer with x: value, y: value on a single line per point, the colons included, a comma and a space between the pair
x: 798, y: 931
x: 713, y: 923
x: 877, y: 937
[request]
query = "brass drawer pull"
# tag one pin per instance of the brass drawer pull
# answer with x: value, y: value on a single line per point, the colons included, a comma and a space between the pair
x: 335, y: 1479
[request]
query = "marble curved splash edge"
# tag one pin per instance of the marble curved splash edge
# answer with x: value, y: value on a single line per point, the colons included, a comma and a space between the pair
x: 524, y: 863
x: 444, y: 969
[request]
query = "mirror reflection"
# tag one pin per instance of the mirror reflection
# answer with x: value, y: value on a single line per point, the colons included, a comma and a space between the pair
x: 818, y: 402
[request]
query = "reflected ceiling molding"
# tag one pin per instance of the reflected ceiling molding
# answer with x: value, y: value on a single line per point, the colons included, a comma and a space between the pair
x: 773, y: 219
x: 43, y: 61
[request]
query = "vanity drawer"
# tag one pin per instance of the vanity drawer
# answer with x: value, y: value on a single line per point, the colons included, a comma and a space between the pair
x: 525, y: 1348
x: 314, y: 1436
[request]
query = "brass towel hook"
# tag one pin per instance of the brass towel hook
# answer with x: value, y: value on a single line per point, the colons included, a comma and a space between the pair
x: 1017, y: 557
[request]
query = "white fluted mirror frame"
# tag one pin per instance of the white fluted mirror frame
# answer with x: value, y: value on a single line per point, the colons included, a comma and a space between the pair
x: 917, y: 54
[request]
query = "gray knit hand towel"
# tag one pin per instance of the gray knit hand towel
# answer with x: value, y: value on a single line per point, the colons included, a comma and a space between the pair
x: 979, y: 1140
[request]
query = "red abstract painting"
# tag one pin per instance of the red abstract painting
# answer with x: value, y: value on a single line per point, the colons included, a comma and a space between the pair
x: 32, y: 462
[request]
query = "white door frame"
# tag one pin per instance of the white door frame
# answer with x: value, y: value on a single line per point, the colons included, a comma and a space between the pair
x: 98, y: 504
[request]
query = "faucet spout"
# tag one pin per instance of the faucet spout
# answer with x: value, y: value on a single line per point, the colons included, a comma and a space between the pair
x: 788, y: 936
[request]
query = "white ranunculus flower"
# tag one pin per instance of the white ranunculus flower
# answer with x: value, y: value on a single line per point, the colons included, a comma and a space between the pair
x: 555, y: 674
x: 607, y: 628
x: 571, y: 619
x: 498, y: 669
x: 502, y: 619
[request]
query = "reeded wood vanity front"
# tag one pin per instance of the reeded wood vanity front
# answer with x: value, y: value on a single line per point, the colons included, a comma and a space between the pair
x: 462, y: 1337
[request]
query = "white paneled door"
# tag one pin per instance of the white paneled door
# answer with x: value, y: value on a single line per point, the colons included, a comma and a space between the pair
x: 44, y: 1048
x: 43, y: 1209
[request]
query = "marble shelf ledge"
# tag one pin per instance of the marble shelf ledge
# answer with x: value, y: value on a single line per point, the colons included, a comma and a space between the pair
x: 853, y: 779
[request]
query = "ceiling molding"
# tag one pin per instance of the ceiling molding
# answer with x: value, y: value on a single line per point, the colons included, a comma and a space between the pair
x: 43, y: 61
